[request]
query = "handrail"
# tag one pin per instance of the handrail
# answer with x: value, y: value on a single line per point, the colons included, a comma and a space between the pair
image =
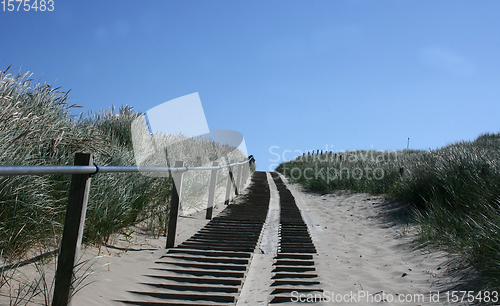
x: 83, y: 169
x: 50, y: 169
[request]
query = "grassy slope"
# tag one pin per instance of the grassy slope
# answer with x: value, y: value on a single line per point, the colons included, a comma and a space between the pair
x: 36, y: 128
x: 454, y: 192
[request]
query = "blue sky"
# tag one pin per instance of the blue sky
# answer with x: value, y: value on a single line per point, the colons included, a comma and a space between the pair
x: 289, y: 75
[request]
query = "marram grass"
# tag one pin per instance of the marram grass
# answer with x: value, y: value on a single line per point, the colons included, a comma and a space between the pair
x: 36, y: 128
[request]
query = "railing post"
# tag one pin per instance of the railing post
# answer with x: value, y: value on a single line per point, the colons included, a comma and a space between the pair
x: 247, y: 172
x: 211, y: 192
x: 233, y: 180
x: 244, y: 176
x: 73, y: 232
x: 174, y: 206
x: 238, y: 180
x: 229, y: 184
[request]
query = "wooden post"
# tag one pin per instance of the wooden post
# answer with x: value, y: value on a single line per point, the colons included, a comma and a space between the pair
x: 229, y: 184
x: 211, y: 192
x: 238, y: 179
x: 174, y: 206
x: 243, y: 176
x: 246, y: 172
x: 233, y: 181
x: 73, y: 231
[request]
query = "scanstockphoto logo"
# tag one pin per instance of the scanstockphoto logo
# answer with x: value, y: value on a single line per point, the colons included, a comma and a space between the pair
x: 330, y: 174
x: 365, y: 297
x: 330, y: 166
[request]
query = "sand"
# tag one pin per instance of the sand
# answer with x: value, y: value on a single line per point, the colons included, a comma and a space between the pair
x: 365, y: 255
x: 112, y: 270
x: 123, y: 269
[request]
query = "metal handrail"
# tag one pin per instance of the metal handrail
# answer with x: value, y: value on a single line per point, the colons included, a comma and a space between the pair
x: 41, y: 170
x: 77, y: 205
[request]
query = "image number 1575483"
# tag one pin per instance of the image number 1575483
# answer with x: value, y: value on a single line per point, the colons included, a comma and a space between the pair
x: 28, y: 5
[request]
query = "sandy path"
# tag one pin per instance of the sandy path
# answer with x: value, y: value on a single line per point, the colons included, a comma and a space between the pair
x: 362, y: 258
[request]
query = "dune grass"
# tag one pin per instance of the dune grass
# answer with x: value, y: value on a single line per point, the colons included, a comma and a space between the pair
x: 37, y: 129
x: 454, y: 192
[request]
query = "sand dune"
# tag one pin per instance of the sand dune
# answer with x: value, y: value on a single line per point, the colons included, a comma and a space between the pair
x: 363, y: 257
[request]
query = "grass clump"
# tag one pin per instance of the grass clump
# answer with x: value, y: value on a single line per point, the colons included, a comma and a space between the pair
x: 454, y: 192
x: 36, y: 128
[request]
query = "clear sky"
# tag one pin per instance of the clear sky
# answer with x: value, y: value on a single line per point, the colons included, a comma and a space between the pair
x: 287, y: 74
